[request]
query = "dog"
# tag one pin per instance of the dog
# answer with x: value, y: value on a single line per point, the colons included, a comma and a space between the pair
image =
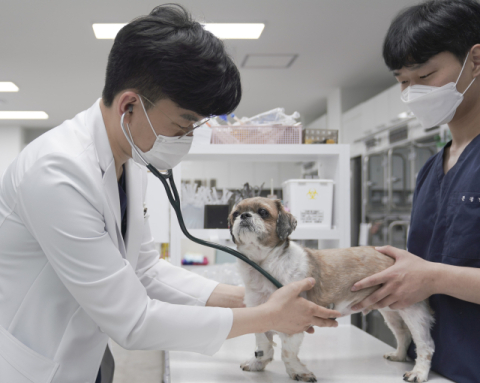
x: 260, y: 228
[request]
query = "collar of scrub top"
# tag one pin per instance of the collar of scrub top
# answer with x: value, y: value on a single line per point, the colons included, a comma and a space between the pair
x: 168, y: 182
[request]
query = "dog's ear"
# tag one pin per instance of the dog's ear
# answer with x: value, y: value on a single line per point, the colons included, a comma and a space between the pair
x: 286, y: 222
x: 230, y: 224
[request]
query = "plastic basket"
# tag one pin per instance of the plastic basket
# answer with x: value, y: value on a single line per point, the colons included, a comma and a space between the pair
x: 271, y: 134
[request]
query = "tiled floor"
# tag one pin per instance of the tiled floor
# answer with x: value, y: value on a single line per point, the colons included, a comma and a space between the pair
x: 136, y: 366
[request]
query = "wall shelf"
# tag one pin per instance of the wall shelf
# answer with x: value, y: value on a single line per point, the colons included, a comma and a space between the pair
x: 301, y: 232
x: 333, y: 163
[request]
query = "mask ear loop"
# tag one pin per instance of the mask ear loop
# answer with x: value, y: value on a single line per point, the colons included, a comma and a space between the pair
x: 458, y: 78
x: 130, y: 139
x: 151, y: 126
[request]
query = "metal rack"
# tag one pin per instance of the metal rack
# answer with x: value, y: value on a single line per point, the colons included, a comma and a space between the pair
x: 388, y: 183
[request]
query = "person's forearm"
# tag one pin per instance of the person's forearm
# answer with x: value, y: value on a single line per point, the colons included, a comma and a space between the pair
x: 227, y: 296
x: 250, y: 320
x: 459, y: 282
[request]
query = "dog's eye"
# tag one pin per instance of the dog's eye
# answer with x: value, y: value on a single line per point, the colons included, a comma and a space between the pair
x: 263, y: 213
x: 235, y: 215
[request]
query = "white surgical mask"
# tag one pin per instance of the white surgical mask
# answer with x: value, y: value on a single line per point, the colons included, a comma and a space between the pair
x: 433, y: 105
x: 166, y: 152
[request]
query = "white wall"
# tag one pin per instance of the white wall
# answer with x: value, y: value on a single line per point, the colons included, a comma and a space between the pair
x: 11, y: 140
x: 319, y: 123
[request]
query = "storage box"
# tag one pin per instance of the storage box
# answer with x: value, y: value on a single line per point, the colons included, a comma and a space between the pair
x: 310, y: 201
x: 269, y: 134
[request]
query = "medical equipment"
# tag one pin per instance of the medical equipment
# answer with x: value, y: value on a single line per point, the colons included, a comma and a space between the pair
x: 174, y: 199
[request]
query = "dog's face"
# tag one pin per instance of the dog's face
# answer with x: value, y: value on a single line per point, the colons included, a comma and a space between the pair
x: 260, y: 221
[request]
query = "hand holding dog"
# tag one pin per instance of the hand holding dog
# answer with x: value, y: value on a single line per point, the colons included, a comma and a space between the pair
x: 408, y: 281
x: 292, y: 314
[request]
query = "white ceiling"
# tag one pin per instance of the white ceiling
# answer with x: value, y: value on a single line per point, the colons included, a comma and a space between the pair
x: 49, y: 50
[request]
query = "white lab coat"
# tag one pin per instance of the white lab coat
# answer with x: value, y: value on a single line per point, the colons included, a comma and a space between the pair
x: 68, y: 281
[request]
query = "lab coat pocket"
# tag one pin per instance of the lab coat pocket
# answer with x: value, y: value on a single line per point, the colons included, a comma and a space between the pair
x: 20, y: 364
x: 463, y: 220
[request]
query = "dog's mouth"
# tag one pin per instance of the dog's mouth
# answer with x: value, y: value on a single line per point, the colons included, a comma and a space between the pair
x: 245, y: 224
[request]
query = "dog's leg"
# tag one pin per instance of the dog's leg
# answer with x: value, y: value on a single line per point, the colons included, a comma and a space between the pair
x: 290, y: 348
x: 263, y: 353
x: 419, y: 321
x: 402, y: 335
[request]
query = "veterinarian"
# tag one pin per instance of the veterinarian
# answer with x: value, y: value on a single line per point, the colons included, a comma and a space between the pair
x: 433, y: 50
x: 78, y: 264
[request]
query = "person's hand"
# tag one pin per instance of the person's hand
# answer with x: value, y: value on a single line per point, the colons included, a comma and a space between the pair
x: 227, y: 296
x: 292, y: 314
x: 406, y: 282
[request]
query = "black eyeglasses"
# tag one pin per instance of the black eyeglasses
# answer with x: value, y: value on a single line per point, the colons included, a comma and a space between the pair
x: 187, y: 130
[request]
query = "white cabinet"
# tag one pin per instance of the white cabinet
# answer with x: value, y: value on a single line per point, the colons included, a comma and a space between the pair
x: 352, y: 125
x: 373, y: 114
x: 333, y: 163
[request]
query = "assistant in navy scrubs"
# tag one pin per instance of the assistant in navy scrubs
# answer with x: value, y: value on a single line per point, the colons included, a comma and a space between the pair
x: 445, y: 228
x: 433, y: 50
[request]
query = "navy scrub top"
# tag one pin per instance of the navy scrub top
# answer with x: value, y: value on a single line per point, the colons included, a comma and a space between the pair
x: 445, y: 227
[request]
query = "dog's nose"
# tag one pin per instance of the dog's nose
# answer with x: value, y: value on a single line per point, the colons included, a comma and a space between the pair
x: 245, y: 216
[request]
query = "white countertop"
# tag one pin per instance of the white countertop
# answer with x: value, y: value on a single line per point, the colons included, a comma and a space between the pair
x: 344, y: 354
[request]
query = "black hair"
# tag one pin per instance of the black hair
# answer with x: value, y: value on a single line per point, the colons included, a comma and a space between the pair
x: 420, y: 32
x: 167, y: 54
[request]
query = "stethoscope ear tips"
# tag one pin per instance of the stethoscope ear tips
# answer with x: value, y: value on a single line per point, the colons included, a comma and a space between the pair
x: 130, y: 108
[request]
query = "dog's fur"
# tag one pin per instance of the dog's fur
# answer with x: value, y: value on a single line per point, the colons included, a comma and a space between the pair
x: 260, y: 228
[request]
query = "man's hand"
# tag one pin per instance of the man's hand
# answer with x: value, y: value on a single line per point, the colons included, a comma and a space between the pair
x: 227, y: 296
x: 285, y: 312
x: 408, y: 281
x: 292, y: 314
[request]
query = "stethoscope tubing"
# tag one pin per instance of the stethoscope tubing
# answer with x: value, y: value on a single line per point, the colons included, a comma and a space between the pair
x: 174, y: 199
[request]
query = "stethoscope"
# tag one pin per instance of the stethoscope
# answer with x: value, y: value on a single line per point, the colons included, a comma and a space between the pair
x: 174, y: 199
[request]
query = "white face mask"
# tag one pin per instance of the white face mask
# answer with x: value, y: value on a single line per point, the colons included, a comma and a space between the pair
x: 166, y: 152
x: 433, y: 105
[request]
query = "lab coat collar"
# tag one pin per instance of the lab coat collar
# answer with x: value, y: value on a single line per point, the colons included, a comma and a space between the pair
x: 133, y: 174
x: 94, y: 121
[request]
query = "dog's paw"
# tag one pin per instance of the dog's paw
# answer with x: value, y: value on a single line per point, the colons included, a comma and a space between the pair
x: 394, y: 357
x: 415, y: 376
x: 303, y: 377
x: 255, y: 364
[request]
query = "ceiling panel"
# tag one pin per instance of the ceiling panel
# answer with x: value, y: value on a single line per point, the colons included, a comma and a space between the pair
x: 49, y: 50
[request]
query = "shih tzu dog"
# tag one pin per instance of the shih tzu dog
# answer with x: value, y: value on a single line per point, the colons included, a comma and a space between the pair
x: 260, y: 228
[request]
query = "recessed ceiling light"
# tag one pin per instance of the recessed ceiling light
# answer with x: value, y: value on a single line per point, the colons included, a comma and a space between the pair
x: 235, y: 30
x: 7, y: 86
x: 107, y: 31
x: 405, y: 115
x: 22, y: 115
x: 221, y: 30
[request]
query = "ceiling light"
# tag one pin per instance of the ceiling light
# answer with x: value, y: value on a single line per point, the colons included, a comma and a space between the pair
x: 405, y: 115
x: 107, y: 31
x: 235, y: 30
x: 221, y: 30
x: 7, y: 86
x: 19, y: 115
